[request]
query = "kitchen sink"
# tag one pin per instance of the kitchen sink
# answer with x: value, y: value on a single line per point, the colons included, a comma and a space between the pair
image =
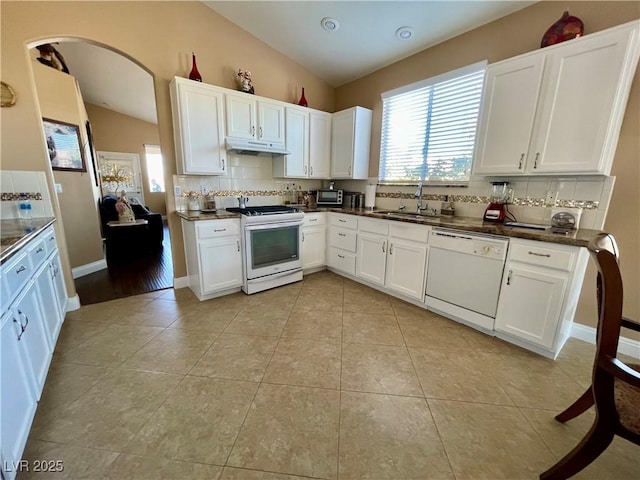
x: 408, y: 215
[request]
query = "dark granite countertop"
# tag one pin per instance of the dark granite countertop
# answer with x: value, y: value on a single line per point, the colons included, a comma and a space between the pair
x: 577, y: 238
x: 15, y: 234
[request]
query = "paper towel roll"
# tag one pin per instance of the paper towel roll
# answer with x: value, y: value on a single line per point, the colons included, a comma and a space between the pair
x: 370, y: 196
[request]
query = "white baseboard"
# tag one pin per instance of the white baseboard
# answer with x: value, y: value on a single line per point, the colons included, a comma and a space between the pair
x: 73, y: 303
x: 92, y: 267
x: 180, y: 282
x: 626, y: 345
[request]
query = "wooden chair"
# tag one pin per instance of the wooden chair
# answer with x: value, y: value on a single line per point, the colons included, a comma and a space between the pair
x: 615, y: 387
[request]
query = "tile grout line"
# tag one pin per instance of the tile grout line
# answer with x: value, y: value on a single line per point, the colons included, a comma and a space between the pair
x: 340, y: 384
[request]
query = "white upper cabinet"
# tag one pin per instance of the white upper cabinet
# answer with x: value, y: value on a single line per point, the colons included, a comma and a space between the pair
x: 558, y: 110
x: 308, y: 138
x: 198, y: 127
x: 252, y: 119
x: 319, y: 144
x: 350, y: 139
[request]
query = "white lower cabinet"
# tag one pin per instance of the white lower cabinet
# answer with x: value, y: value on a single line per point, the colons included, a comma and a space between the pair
x: 214, y: 256
x: 18, y: 398
x: 342, y: 240
x: 393, y: 255
x: 539, y: 294
x: 314, y: 241
x: 29, y: 326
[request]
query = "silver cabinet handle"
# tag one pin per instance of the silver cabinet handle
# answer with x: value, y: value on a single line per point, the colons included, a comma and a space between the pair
x: 52, y: 238
x: 220, y: 230
x: 21, y: 269
x: 349, y: 170
x: 342, y: 234
x: 260, y: 134
x: 384, y: 245
x: 22, y: 327
x: 39, y: 250
x: 520, y: 164
x: 303, y: 237
x: 253, y: 130
x: 311, y: 168
x: 340, y: 256
x: 535, y: 162
x: 509, y: 277
x: 342, y: 220
x: 391, y: 249
x: 238, y: 244
x: 305, y: 169
x: 313, y: 219
x: 548, y: 255
x: 222, y: 161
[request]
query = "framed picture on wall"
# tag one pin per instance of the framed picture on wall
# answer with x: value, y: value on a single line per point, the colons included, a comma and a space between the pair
x: 64, y: 145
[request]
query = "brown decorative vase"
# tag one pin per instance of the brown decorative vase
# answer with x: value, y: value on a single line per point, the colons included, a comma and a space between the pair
x: 566, y: 28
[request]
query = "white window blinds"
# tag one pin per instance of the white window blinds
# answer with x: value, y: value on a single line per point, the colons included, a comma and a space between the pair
x: 429, y: 128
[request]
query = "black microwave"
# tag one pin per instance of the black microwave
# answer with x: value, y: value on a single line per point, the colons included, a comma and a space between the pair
x: 330, y: 197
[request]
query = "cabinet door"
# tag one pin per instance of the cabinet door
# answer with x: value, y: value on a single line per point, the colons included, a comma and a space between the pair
x: 371, y: 258
x: 582, y: 104
x: 406, y: 267
x: 271, y: 122
x: 297, y: 135
x: 342, y: 144
x: 35, y: 342
x: 17, y: 397
x: 241, y: 116
x: 530, y: 304
x: 199, y: 130
x: 507, y: 115
x: 220, y: 264
x: 314, y: 244
x: 319, y: 145
x: 58, y: 284
x: 46, y: 290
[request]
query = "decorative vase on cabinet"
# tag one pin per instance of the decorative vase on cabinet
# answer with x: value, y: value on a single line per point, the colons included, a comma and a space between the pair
x: 194, y: 74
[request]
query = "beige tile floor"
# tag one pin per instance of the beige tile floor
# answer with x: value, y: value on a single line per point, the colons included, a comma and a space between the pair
x: 324, y: 378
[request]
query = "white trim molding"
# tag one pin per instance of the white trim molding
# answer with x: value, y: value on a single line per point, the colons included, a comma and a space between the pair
x: 73, y: 303
x: 626, y: 345
x: 92, y: 267
x: 180, y: 282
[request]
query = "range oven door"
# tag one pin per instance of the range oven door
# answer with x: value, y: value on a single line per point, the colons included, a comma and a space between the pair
x: 272, y: 248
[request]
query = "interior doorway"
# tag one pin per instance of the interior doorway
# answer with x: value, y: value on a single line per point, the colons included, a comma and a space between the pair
x: 116, y: 99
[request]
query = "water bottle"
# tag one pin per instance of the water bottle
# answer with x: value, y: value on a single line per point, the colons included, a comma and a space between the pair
x: 24, y: 207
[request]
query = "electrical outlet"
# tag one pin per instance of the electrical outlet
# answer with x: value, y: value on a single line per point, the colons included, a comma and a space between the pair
x: 551, y: 198
x: 58, y: 188
x: 204, y: 189
x: 177, y: 191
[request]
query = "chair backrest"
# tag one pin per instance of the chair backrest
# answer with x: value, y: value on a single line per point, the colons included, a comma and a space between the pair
x: 604, y: 251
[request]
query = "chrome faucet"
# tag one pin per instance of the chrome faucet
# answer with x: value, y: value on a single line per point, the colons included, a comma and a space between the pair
x: 419, y: 207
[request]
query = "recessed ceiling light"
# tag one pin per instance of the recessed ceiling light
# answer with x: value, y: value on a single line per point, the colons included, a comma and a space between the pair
x: 330, y: 24
x: 404, y: 33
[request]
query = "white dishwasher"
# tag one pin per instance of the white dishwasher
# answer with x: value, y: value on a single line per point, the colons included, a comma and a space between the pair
x: 464, y: 275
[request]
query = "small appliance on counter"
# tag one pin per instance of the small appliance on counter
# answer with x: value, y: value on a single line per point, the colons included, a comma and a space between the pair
x: 497, y: 209
x: 329, y: 197
x: 563, y: 220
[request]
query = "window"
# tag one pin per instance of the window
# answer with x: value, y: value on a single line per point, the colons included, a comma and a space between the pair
x: 429, y: 128
x: 155, y: 170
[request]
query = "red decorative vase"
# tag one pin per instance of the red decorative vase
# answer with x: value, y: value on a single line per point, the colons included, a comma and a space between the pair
x: 303, y: 100
x: 566, y: 28
x: 194, y: 74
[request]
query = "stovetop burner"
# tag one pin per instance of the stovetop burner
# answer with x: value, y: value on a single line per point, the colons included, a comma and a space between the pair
x: 263, y: 210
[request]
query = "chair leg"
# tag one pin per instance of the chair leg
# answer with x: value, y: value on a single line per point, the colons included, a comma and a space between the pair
x: 591, y: 446
x: 578, y: 407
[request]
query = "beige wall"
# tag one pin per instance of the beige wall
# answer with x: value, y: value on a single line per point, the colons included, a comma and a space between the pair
x: 518, y: 33
x: 158, y: 35
x: 115, y: 132
x: 60, y: 99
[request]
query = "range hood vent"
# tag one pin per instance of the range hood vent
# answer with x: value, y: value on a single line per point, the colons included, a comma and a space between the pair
x: 251, y: 147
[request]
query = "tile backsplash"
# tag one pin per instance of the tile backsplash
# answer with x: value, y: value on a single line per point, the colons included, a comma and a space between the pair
x: 34, y: 184
x: 592, y: 194
x: 249, y: 176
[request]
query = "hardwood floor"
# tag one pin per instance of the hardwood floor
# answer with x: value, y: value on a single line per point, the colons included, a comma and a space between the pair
x: 142, y: 274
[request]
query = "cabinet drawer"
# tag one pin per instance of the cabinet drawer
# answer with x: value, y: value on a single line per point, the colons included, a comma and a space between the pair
x: 379, y: 227
x: 542, y: 255
x: 417, y: 233
x: 16, y: 273
x: 313, y: 219
x: 217, y: 228
x: 342, y: 260
x: 50, y: 243
x: 38, y: 252
x: 344, y: 221
x: 342, y: 238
